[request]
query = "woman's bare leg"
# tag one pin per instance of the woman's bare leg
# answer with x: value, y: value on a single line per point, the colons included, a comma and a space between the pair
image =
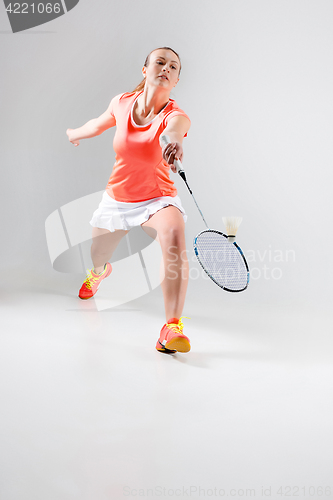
x: 104, y: 244
x: 169, y: 225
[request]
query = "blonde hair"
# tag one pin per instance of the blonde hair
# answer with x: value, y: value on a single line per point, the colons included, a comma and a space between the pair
x: 141, y: 85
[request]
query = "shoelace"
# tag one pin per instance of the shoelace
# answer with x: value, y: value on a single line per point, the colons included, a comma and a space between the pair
x: 90, y: 279
x: 177, y: 326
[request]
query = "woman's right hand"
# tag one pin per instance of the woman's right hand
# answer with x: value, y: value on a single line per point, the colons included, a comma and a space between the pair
x: 69, y: 133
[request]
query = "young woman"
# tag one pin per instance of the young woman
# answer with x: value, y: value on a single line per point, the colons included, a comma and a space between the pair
x: 140, y: 190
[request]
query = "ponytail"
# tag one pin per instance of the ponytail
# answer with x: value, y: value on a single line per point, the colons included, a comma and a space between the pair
x: 140, y: 87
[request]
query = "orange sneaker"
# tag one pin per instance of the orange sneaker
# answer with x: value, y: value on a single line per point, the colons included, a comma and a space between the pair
x: 172, y: 338
x: 93, y: 281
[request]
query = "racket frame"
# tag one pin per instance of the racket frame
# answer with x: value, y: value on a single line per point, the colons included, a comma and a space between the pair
x: 239, y: 250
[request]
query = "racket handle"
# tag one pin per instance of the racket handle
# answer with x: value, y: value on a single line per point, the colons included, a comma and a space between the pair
x: 164, y: 141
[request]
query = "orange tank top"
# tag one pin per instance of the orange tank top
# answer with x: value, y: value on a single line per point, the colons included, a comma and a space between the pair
x: 139, y: 173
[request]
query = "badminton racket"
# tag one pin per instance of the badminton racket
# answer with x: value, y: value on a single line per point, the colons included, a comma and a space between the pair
x: 219, y: 256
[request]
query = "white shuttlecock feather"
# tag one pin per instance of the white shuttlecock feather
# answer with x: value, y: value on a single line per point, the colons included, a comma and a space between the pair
x: 232, y: 224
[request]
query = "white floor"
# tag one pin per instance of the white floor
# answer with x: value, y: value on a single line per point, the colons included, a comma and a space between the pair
x: 91, y: 411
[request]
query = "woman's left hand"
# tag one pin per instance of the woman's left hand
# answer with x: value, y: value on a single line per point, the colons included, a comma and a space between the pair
x: 173, y: 151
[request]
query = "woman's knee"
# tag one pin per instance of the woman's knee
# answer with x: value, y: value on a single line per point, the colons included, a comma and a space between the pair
x: 172, y: 239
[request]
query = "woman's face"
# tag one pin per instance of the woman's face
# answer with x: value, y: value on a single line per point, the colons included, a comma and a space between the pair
x: 163, y: 69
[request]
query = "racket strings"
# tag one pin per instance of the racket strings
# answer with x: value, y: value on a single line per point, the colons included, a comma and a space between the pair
x: 221, y: 260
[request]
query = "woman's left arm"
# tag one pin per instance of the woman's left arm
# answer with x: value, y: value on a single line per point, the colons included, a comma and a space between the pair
x: 176, y: 129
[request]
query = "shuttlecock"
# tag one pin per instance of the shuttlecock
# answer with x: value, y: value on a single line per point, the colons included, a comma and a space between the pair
x: 232, y: 224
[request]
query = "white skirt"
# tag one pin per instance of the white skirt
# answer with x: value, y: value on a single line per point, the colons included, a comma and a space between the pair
x: 112, y: 214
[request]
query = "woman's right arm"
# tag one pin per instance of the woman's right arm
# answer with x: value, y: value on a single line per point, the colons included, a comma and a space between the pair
x: 92, y: 128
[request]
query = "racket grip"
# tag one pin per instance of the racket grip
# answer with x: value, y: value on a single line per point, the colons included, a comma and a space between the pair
x: 164, y: 141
